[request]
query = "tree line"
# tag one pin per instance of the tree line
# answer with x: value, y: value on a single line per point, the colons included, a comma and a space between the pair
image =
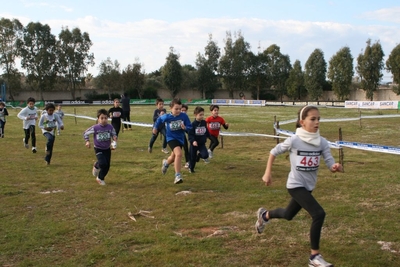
x: 61, y: 63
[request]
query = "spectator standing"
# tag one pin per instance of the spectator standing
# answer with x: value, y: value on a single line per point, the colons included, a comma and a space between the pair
x: 126, y: 108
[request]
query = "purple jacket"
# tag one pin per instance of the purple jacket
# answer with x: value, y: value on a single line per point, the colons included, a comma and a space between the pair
x: 103, y: 135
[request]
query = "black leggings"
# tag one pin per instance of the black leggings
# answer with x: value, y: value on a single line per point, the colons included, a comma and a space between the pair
x: 30, y: 132
x: 302, y: 198
x: 213, y: 142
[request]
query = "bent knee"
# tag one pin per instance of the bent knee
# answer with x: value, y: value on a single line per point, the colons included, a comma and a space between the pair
x: 319, y: 215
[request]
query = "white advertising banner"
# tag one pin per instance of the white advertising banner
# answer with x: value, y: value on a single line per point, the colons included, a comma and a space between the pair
x: 372, y: 104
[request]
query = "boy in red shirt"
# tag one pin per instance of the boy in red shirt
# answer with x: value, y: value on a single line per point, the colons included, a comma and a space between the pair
x: 214, y: 123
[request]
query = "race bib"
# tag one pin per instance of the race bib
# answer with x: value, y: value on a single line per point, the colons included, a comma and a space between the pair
x: 116, y: 114
x: 215, y: 125
x: 51, y: 124
x: 175, y: 125
x: 200, y: 131
x: 103, y: 136
x: 308, y: 160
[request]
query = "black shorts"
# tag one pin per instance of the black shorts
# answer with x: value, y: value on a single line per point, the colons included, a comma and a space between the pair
x: 174, y: 143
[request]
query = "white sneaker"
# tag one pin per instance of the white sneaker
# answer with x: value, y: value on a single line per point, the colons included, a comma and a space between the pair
x: 187, y: 165
x: 206, y: 161
x: 164, y: 150
x: 34, y: 150
x: 318, y: 261
x: 164, y: 168
x: 260, y: 223
x: 178, y: 179
x: 210, y: 154
x: 95, y: 171
x: 100, y: 182
x: 149, y: 149
x: 25, y: 145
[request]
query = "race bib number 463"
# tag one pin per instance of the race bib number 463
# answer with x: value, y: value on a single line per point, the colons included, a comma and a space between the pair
x: 308, y: 160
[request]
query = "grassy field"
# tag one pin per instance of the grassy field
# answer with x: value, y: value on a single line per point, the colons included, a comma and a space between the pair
x: 58, y: 215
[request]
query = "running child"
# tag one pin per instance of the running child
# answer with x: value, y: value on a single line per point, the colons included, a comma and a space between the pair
x: 103, y: 134
x: 214, y: 123
x: 306, y: 149
x: 48, y: 122
x: 184, y: 109
x: 115, y: 113
x: 3, y: 114
x: 176, y: 125
x: 159, y: 111
x: 29, y: 116
x: 197, y: 138
x: 60, y: 114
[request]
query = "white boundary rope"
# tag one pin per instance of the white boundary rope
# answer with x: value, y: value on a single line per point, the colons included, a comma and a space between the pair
x: 336, y: 145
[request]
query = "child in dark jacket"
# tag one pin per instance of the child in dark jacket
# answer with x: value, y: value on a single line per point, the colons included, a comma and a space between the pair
x: 197, y: 138
x: 159, y: 111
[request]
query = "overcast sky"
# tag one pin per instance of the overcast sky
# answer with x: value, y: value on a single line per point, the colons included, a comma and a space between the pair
x: 133, y: 30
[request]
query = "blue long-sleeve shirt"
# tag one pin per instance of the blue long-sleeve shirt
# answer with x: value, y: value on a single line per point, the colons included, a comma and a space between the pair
x: 173, y: 126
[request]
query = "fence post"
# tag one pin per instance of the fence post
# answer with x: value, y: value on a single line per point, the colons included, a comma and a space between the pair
x: 75, y: 116
x: 341, y: 154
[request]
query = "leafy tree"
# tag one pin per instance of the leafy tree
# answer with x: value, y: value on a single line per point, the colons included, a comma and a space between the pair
x: 279, y: 68
x: 315, y: 73
x: 74, y: 56
x: 38, y: 50
x: 295, y: 82
x: 189, y: 77
x: 369, y: 67
x: 259, y: 74
x: 172, y: 73
x: 207, y: 67
x: 341, y: 72
x: 153, y: 82
x: 109, y: 76
x: 133, y: 79
x: 234, y: 64
x: 10, y: 32
x: 393, y: 65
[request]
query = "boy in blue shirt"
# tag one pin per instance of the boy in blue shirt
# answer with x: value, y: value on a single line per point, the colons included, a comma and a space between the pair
x: 176, y: 124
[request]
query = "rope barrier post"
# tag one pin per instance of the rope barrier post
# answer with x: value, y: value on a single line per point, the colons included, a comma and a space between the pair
x: 360, y: 118
x: 274, y: 126
x: 222, y: 141
x: 76, y: 122
x: 341, y: 155
x: 277, y: 126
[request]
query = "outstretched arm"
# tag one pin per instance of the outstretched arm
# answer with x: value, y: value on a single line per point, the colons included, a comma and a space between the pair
x: 267, y: 177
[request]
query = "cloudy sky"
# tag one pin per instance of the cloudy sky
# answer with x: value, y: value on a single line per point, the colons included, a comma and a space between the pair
x: 143, y: 31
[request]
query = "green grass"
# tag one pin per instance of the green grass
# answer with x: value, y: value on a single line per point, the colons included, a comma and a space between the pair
x: 58, y: 215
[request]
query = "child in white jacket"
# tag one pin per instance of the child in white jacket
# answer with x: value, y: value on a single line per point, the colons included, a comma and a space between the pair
x: 48, y: 123
x: 29, y: 116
